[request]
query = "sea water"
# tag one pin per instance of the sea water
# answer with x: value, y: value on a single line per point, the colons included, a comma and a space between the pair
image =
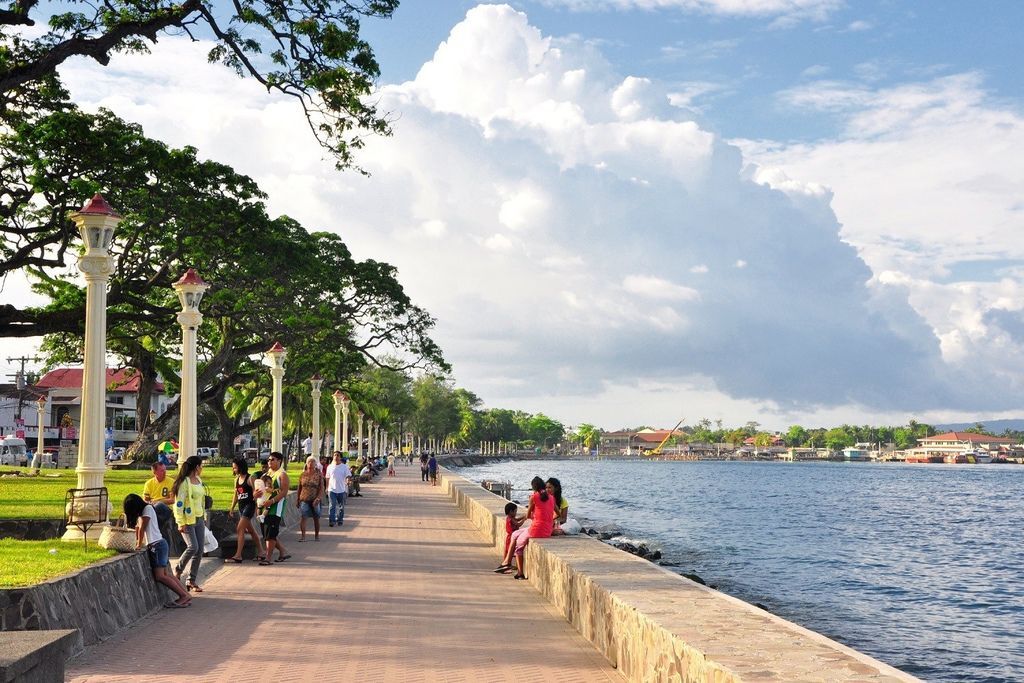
x: 921, y: 566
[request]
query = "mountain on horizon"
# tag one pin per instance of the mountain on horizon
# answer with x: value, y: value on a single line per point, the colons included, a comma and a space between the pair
x: 994, y: 426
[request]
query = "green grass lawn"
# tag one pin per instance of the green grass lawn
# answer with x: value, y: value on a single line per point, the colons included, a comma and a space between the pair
x: 27, y: 563
x: 42, y: 497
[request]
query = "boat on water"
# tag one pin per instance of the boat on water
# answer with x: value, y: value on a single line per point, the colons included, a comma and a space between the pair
x: 856, y: 455
x: 927, y: 458
x: 971, y: 457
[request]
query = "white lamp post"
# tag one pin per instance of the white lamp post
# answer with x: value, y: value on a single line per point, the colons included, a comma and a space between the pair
x: 316, y: 381
x: 190, y: 289
x: 341, y: 402
x: 274, y: 358
x: 37, y: 459
x: 96, y: 222
x: 369, y: 438
x: 359, y: 435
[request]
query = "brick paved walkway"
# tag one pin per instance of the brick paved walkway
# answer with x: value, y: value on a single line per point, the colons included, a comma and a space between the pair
x: 403, y: 592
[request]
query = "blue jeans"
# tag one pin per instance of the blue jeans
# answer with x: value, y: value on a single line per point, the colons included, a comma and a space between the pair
x: 195, y: 539
x: 337, y: 506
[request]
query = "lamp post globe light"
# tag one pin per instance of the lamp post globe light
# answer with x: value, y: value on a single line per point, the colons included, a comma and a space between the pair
x: 274, y: 359
x: 96, y: 223
x: 37, y: 459
x: 341, y: 402
x: 190, y: 289
x: 316, y: 381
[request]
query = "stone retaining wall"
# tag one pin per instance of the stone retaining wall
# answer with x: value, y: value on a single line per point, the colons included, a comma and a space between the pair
x: 31, y: 529
x: 654, y: 625
x: 99, y: 600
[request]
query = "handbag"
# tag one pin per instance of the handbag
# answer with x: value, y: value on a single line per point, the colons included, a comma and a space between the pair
x: 118, y: 536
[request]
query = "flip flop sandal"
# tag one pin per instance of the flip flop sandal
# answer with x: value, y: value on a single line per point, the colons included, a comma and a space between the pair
x: 236, y: 560
x: 282, y: 559
x: 264, y: 562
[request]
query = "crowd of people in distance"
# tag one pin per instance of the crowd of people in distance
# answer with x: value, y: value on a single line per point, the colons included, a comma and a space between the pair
x: 545, y: 514
x: 259, y: 501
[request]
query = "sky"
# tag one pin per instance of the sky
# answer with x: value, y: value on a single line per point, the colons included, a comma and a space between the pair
x: 630, y: 212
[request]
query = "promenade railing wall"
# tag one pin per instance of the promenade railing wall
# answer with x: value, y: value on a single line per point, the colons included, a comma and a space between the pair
x: 655, y: 625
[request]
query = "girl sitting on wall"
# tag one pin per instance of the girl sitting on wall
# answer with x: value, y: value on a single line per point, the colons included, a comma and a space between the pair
x: 142, y: 516
x: 540, y: 516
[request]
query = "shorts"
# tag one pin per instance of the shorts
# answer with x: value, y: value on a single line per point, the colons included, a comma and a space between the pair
x: 310, y: 509
x: 247, y: 510
x: 271, y: 527
x: 158, y: 553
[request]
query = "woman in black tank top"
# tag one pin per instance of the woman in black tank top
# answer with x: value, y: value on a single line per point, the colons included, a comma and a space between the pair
x: 246, y: 502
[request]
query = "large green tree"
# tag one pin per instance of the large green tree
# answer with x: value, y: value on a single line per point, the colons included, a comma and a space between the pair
x: 310, y: 50
x: 272, y: 279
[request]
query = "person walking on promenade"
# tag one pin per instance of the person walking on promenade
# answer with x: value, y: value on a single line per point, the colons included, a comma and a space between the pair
x: 423, y: 466
x: 338, y: 478
x: 274, y: 509
x: 325, y: 462
x: 142, y: 516
x: 311, y: 491
x: 432, y: 469
x: 245, y: 498
x: 391, y: 465
x: 189, y: 514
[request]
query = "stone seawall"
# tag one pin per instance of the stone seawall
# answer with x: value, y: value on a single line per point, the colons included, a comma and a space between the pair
x: 654, y: 625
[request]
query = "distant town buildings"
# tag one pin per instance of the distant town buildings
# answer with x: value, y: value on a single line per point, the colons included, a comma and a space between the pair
x: 63, y: 391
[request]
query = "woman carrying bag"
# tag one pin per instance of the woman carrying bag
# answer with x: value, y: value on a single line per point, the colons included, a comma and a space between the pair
x: 189, y: 515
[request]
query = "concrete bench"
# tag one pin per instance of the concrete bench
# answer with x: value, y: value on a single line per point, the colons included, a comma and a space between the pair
x: 35, y: 656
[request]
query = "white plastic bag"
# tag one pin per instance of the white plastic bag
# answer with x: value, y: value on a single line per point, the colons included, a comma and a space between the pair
x: 571, y: 527
x: 210, y: 543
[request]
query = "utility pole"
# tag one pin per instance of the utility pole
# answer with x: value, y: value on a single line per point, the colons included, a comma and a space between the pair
x: 19, y: 377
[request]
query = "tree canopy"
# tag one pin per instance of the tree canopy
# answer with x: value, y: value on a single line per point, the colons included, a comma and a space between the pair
x: 310, y: 50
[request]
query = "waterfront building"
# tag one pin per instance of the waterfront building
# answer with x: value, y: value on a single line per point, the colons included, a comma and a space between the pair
x: 63, y: 388
x: 946, y: 447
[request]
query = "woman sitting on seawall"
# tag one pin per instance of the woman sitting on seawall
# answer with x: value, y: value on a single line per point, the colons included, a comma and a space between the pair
x: 142, y: 516
x: 540, y: 516
x: 561, y: 514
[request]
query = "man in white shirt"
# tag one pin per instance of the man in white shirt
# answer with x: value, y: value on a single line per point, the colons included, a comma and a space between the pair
x: 338, y: 478
x: 307, y: 446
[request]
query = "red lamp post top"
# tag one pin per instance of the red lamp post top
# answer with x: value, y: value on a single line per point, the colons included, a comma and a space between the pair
x: 98, y: 206
x: 41, y: 401
x: 276, y: 348
x: 191, y: 277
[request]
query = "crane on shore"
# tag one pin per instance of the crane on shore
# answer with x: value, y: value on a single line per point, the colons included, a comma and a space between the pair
x: 657, y: 449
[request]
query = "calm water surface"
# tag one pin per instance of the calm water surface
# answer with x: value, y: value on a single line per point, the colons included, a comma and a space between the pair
x: 920, y: 566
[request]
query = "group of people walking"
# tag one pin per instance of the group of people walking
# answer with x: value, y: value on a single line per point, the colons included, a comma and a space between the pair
x: 258, y: 499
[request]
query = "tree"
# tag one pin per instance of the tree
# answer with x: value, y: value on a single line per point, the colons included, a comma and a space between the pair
x: 589, y: 435
x: 272, y: 279
x: 311, y: 51
x: 436, y: 414
x: 837, y: 438
x: 763, y: 440
x: 796, y: 436
x: 542, y: 429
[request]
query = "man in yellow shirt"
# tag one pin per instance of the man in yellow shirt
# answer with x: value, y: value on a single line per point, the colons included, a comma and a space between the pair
x: 158, y: 492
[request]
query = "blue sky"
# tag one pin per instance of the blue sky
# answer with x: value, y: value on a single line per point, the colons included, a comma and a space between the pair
x: 879, y: 42
x: 791, y: 211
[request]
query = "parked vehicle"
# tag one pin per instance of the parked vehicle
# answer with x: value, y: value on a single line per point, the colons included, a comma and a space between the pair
x: 205, y: 453
x: 13, y: 451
